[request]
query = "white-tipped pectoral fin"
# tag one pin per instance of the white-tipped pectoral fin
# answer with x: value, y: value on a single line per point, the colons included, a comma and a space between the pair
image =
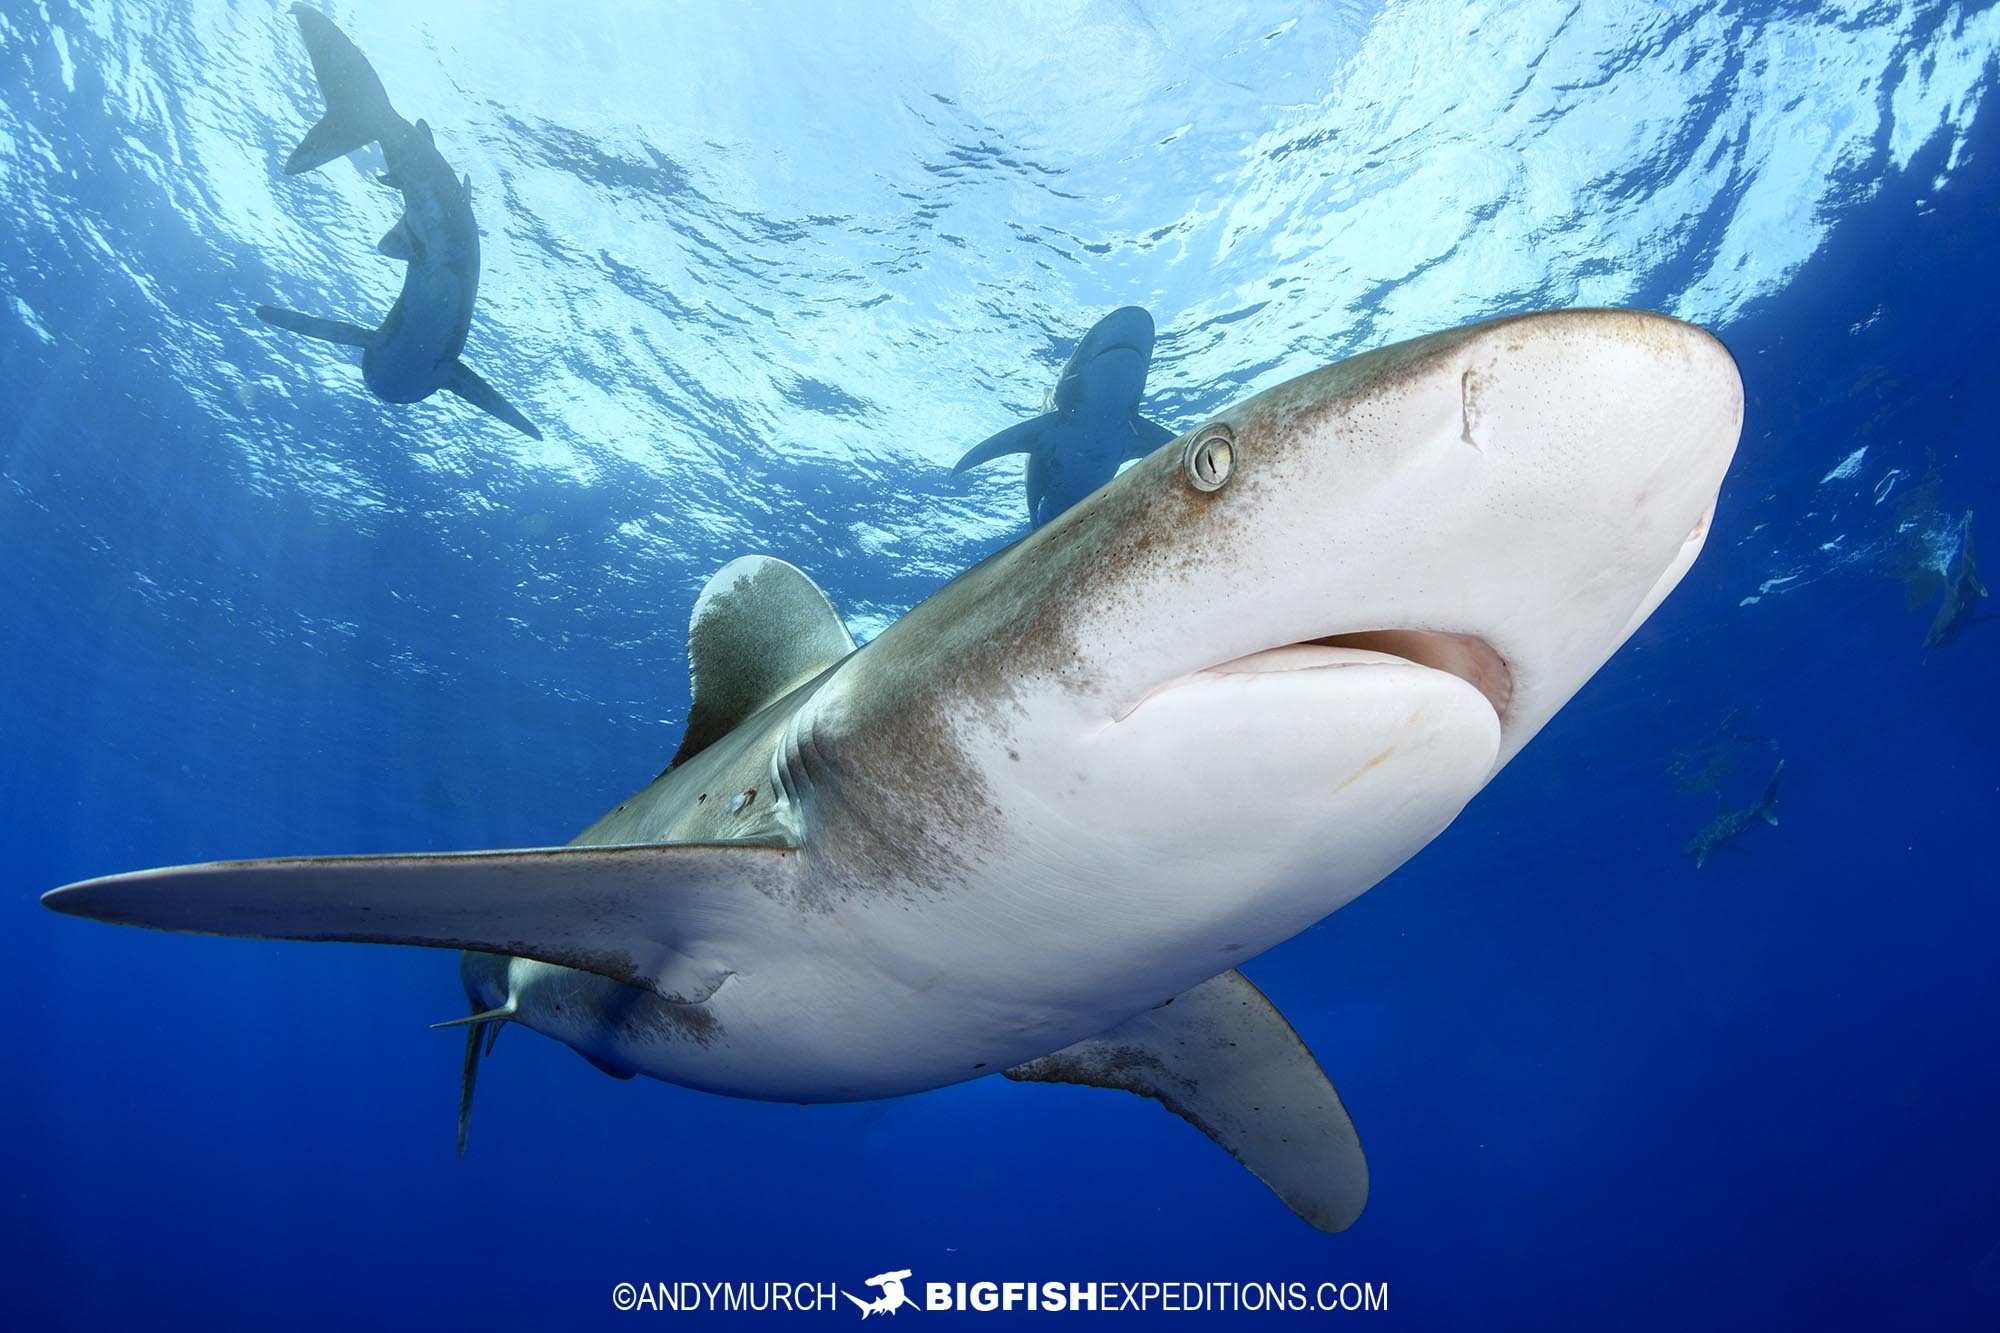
x: 643, y: 914
x: 1224, y: 1059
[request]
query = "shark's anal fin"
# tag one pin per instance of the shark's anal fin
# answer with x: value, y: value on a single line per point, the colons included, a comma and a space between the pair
x: 1020, y: 438
x: 467, y: 385
x: 759, y: 629
x: 1148, y: 436
x: 312, y: 326
x: 641, y: 914
x: 1225, y: 1060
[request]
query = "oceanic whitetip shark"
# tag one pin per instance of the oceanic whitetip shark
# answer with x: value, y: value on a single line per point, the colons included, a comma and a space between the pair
x: 1962, y: 588
x: 1090, y: 422
x: 416, y: 350
x: 1035, y: 825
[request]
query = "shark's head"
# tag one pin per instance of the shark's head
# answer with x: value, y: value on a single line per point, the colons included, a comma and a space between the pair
x: 1107, y: 371
x: 1295, y: 642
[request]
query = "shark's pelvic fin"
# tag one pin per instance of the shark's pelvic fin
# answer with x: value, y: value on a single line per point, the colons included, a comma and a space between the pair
x: 760, y: 628
x: 1768, y: 806
x: 485, y: 1024
x: 1225, y: 1060
x: 357, y: 106
x: 467, y: 1078
x: 312, y: 326
x: 1148, y: 436
x: 467, y: 385
x: 484, y: 1016
x: 639, y: 914
x: 1020, y: 438
x: 400, y: 242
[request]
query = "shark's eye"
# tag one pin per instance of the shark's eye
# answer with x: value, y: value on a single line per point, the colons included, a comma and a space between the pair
x: 1209, y: 458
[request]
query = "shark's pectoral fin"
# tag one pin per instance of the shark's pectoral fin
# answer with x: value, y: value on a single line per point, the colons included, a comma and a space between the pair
x: 400, y: 242
x: 467, y: 385
x: 312, y: 326
x: 1225, y: 1060
x: 1020, y: 438
x: 1921, y: 588
x: 760, y: 628
x: 605, y: 1066
x: 1147, y: 436
x: 641, y: 914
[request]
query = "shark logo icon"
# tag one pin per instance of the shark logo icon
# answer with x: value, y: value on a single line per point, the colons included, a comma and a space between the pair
x: 893, y: 1296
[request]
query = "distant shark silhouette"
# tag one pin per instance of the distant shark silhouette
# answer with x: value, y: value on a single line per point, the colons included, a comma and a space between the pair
x: 416, y: 350
x: 1729, y: 825
x: 1962, y: 591
x: 1090, y: 421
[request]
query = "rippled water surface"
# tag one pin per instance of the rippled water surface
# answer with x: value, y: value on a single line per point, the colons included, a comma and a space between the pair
x: 762, y: 273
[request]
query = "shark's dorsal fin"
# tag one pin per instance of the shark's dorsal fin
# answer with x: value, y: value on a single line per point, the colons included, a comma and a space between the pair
x: 1222, y: 1058
x: 759, y: 628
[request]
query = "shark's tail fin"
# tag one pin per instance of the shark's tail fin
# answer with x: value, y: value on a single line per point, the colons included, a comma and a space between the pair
x: 357, y: 107
x: 1768, y: 805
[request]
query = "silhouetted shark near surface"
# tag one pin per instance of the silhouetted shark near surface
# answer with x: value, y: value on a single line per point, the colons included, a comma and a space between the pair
x: 1962, y: 592
x: 1729, y: 825
x: 1035, y: 825
x: 1090, y: 421
x: 416, y: 350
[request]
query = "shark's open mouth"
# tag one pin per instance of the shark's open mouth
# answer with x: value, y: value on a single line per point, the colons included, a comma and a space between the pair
x: 1466, y: 656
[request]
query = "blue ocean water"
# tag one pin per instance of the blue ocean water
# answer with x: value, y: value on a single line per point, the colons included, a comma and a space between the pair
x: 761, y: 273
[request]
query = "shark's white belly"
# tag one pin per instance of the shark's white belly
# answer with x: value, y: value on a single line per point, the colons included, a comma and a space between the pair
x: 1111, y: 889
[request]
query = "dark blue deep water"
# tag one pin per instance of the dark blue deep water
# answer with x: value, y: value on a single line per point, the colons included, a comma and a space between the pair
x: 761, y: 276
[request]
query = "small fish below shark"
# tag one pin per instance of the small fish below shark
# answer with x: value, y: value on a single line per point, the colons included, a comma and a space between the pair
x: 416, y: 350
x: 1090, y: 422
x: 1035, y: 825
